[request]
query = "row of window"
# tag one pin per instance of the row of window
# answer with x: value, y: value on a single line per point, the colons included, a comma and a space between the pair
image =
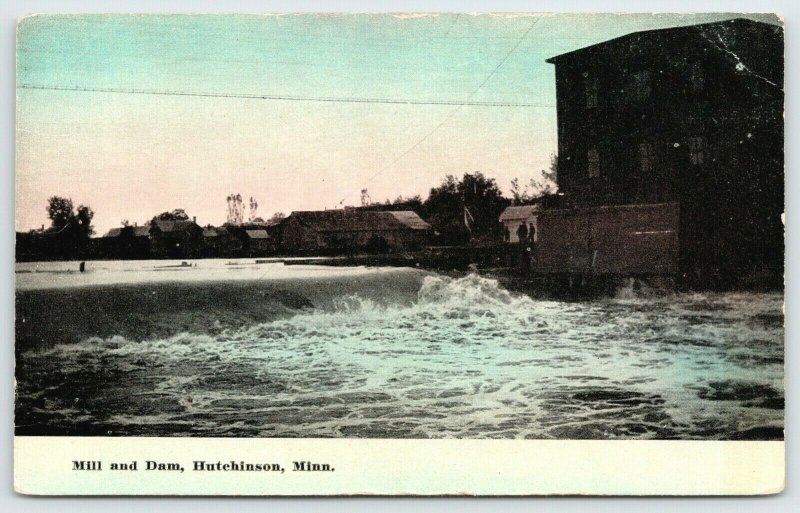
x: 639, y: 86
x: 697, y: 151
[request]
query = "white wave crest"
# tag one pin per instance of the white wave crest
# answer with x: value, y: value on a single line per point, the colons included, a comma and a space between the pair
x: 466, y: 358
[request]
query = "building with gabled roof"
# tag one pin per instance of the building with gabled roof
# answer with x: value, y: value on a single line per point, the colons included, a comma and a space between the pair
x: 258, y: 242
x: 257, y: 234
x: 175, y: 239
x: 354, y: 229
x: 126, y: 242
x: 135, y: 231
x: 520, y: 223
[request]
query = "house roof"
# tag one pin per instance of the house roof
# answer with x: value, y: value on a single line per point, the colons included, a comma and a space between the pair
x: 517, y: 213
x: 138, y: 231
x: 709, y: 31
x: 410, y: 219
x: 350, y: 220
x: 257, y: 234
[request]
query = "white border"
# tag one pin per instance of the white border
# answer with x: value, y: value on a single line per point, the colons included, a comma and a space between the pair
x: 47, y: 466
x: 788, y: 501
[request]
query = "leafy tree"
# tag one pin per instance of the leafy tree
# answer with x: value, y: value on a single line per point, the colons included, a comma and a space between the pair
x: 176, y: 215
x: 484, y: 202
x: 64, y: 217
x: 60, y: 211
x: 276, y: 218
x: 548, y: 183
x: 83, y: 220
x: 517, y: 193
x: 365, y: 199
x: 444, y: 211
x: 413, y: 203
x: 466, y: 208
x: 552, y: 175
x: 72, y: 228
x: 537, y: 188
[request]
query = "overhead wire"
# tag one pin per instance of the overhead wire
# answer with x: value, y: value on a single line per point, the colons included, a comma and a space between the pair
x: 282, y: 97
x: 452, y: 113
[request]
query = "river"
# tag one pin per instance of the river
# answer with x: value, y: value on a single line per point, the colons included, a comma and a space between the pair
x: 393, y: 353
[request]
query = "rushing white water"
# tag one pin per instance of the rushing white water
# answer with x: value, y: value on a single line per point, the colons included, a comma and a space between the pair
x: 464, y: 359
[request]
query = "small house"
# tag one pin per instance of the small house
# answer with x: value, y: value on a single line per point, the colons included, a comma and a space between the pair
x: 520, y: 224
x: 175, y: 239
x: 258, y: 243
x: 219, y: 242
x: 126, y: 242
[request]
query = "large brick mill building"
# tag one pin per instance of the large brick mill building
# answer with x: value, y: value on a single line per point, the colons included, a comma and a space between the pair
x: 687, y: 124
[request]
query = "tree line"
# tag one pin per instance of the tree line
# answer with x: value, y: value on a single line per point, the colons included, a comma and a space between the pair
x: 460, y: 209
x: 468, y: 209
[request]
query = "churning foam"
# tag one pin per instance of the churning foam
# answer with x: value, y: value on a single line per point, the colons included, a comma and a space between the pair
x: 467, y: 358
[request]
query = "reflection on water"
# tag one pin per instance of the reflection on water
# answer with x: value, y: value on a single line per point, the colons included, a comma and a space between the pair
x: 466, y: 359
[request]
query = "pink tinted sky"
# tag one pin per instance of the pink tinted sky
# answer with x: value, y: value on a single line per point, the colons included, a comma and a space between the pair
x: 130, y: 155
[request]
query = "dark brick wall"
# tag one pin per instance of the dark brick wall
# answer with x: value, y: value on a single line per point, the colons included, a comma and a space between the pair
x: 722, y: 83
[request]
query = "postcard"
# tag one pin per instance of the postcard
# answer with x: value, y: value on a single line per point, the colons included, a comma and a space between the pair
x: 391, y: 254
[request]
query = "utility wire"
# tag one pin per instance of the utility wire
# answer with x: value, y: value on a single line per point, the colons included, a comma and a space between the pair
x: 257, y: 96
x: 453, y: 112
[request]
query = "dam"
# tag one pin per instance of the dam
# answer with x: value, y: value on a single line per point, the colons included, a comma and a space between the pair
x: 239, y: 349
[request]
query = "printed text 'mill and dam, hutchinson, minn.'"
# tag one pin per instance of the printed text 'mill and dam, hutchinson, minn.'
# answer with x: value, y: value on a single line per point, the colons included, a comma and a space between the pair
x: 201, y: 465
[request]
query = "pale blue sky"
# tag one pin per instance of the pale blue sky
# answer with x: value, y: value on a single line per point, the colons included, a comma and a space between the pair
x: 131, y: 156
